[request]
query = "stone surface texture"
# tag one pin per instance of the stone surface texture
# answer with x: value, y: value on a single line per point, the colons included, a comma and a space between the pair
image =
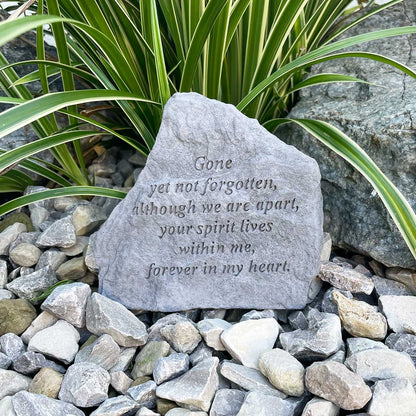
x: 400, y: 312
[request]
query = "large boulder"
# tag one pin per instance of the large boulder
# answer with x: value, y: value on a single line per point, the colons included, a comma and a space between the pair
x: 381, y: 118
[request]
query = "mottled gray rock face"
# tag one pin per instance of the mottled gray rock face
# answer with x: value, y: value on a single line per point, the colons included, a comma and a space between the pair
x: 30, y: 362
x: 116, y: 406
x: 12, y: 382
x: 170, y: 367
x: 400, y: 312
x: 227, y: 402
x: 381, y: 120
x: 214, y: 220
x: 257, y: 403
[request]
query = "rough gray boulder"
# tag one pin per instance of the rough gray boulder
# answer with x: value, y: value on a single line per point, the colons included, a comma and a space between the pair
x: 381, y: 118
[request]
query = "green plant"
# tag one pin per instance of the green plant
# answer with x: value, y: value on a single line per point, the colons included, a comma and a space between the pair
x: 252, y: 53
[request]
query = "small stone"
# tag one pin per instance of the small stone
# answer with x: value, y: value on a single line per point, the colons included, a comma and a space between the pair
x: 163, y: 406
x: 31, y: 362
x: 170, y: 367
x: 5, y: 361
x: 25, y: 254
x: 213, y: 313
x: 405, y: 276
x: 227, y: 402
x: 42, y: 321
x: 140, y: 380
x: 195, y: 388
x: 104, y: 352
x: 183, y: 336
x: 201, y: 352
x: 361, y: 344
x: 283, y: 371
x: 120, y: 381
x: 297, y: 320
x: 335, y: 382
x: 178, y: 411
x: 326, y: 247
x: 248, y: 379
x: 105, y: 316
x: 400, y: 312
x: 85, y: 385
x: 32, y: 285
x: 86, y: 218
x: 32, y: 404
x: 257, y: 403
x: 320, y: 407
x: 124, y: 359
x: 144, y: 394
x: 211, y: 330
x: 77, y: 248
x: 3, y: 274
x: 247, y: 340
x: 72, y: 269
x: 171, y: 319
x: 60, y: 233
x: 116, y: 406
x: 147, y: 358
x: 59, y: 341
x: 11, y: 345
x: 12, y: 382
x: 64, y: 203
x: 394, y: 396
x: 52, y: 257
x: 8, y: 235
x: 322, y: 338
x: 381, y: 364
x: 6, y: 294
x: 47, y: 381
x: 15, y: 315
x: 69, y: 302
x: 38, y: 215
x: 403, y: 343
x: 6, y: 407
x: 89, y: 257
x: 359, y: 318
x: 345, y: 279
x: 267, y: 313
x: 328, y: 305
x: 144, y: 411
x: 390, y: 287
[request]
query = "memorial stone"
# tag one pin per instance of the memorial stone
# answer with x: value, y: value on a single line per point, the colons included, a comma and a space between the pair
x: 224, y: 215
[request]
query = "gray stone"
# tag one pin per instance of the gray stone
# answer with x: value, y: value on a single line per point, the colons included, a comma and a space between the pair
x: 12, y: 382
x: 144, y: 394
x: 69, y: 302
x: 400, y: 312
x: 268, y: 313
x: 326, y: 247
x: 78, y: 247
x: 247, y: 340
x: 47, y: 381
x: 211, y: 330
x: 32, y: 285
x: 335, y: 382
x: 320, y: 407
x: 3, y: 274
x: 213, y: 313
x: 328, y: 305
x: 170, y: 367
x: 120, y: 381
x: 124, y: 360
x: 30, y: 362
x: 201, y: 352
x: 345, y: 279
x: 32, y: 404
x: 267, y: 206
x: 6, y: 294
x: 52, y: 257
x: 148, y: 356
x: 116, y: 406
x: 403, y: 343
x: 322, y: 338
x: 15, y: 315
x: 179, y: 411
x: 105, y: 316
x: 6, y: 407
x: 195, y: 388
x: 297, y: 320
x: 395, y: 396
x: 25, y: 254
x: 60, y: 233
x: 249, y: 379
x: 72, y: 269
x: 85, y: 385
x: 64, y: 203
x: 380, y: 364
x: 183, y: 336
x: 227, y: 402
x: 171, y: 319
x: 103, y: 351
x: 86, y: 218
x: 361, y: 344
x: 42, y: 321
x: 285, y: 372
x: 24, y: 238
x: 384, y: 286
x: 38, y: 215
x: 59, y: 341
x: 405, y: 276
x: 144, y: 411
x: 257, y: 403
x: 381, y: 121
x: 5, y: 361
x: 89, y: 258
x: 12, y: 345
x: 8, y: 235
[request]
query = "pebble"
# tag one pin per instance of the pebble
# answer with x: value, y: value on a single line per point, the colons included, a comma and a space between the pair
x: 3, y: 274
x: 64, y: 203
x: 247, y: 340
x: 47, y: 382
x: 403, y: 343
x: 170, y: 367
x: 361, y: 344
x: 104, y: 352
x: 381, y: 364
x: 147, y: 358
x: 105, y: 316
x: 266, y: 313
x: 395, y: 396
x: 60, y: 233
x: 38, y: 215
x: 257, y: 403
x: 322, y: 338
x: 6, y: 294
x: 285, y: 372
x: 69, y: 302
x: 320, y: 407
x: 345, y: 279
x: 42, y: 321
x: 182, y: 336
x: 400, y: 312
x: 86, y: 218
x: 359, y: 318
x: 12, y: 345
x: 15, y: 315
x: 333, y: 381
x: 32, y: 404
x: 390, y: 287
x: 120, y: 381
x: 85, y: 385
x: 178, y: 411
x: 328, y: 305
x: 12, y: 382
x: 227, y: 402
x: 25, y: 254
x: 211, y: 330
x: 144, y: 411
x: 297, y: 320
x: 77, y: 248
x: 34, y: 284
x: 195, y: 388
x: 5, y: 361
x: 144, y: 394
x: 30, y: 362
x: 116, y: 406
x: 171, y: 319
x: 201, y: 352
x: 6, y: 407
x: 89, y: 258
x: 52, y: 257
x: 59, y: 341
x: 8, y: 235
x: 72, y: 269
x: 124, y: 360
x: 405, y: 276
